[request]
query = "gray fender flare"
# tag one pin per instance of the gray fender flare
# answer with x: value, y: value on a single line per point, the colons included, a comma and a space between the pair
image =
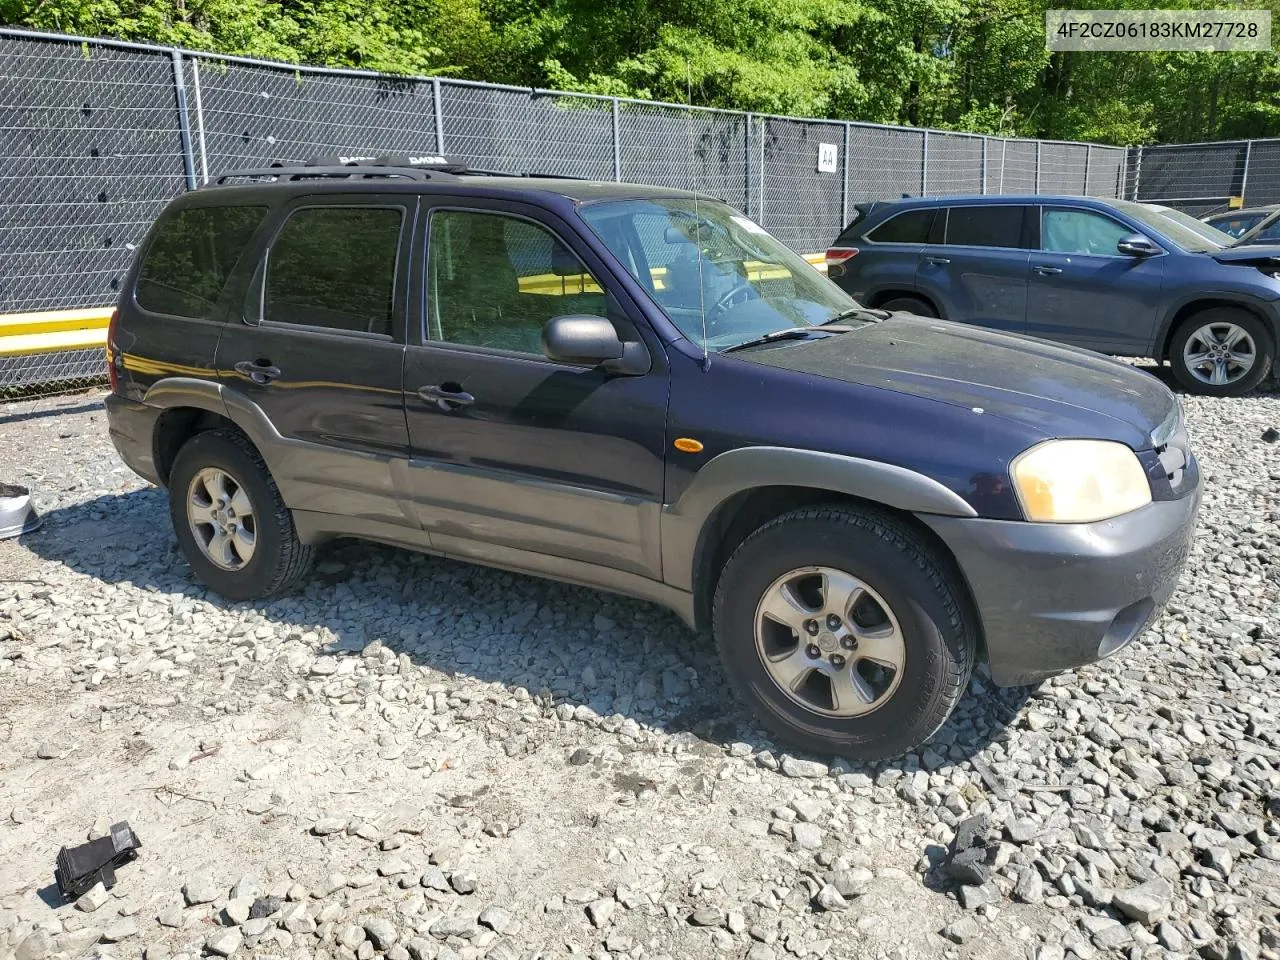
x: 207, y: 395
x: 751, y: 468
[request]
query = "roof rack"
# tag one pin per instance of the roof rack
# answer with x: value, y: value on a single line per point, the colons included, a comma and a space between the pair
x: 401, y: 166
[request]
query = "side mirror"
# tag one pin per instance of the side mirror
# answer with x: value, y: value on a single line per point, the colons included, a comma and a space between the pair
x: 1136, y: 245
x: 592, y: 341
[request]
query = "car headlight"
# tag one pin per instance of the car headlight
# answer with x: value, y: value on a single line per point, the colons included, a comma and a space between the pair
x: 1078, y: 481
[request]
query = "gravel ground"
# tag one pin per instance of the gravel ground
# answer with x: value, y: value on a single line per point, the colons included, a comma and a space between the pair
x: 417, y: 758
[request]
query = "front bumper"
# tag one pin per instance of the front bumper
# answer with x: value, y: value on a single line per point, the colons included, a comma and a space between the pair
x: 131, y: 426
x: 1054, y: 596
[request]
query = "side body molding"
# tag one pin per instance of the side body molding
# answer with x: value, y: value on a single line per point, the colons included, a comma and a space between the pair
x: 750, y: 468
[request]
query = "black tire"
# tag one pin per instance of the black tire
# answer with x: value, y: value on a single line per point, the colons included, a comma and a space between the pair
x: 921, y: 308
x: 937, y: 626
x: 1264, y: 351
x: 279, y: 558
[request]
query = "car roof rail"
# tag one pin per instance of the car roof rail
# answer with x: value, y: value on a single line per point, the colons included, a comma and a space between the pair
x: 365, y: 167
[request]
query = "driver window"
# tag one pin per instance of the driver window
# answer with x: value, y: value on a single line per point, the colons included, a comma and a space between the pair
x: 1081, y: 231
x: 495, y: 281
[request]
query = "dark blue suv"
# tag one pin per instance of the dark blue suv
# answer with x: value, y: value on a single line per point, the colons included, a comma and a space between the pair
x: 639, y: 389
x: 1113, y: 276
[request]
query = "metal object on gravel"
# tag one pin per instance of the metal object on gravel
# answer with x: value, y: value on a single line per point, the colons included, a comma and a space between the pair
x: 17, y: 513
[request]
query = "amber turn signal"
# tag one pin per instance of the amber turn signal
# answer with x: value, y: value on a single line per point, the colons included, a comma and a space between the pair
x: 688, y: 445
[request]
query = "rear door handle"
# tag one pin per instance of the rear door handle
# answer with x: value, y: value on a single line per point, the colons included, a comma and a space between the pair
x: 937, y: 261
x: 259, y: 371
x: 1046, y: 271
x: 446, y: 400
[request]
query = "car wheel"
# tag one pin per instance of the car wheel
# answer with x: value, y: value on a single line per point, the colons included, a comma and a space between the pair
x: 921, y: 308
x: 1221, y: 352
x: 844, y: 631
x: 230, y: 520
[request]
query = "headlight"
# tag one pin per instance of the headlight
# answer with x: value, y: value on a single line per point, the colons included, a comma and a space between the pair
x: 1078, y: 481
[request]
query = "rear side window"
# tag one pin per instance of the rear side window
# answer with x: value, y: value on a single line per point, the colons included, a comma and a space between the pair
x: 192, y: 256
x: 995, y: 226
x: 909, y: 227
x: 335, y: 267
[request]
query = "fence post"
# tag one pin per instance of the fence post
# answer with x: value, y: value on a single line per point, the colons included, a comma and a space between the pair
x: 984, y: 165
x: 1137, y: 174
x: 924, y: 165
x: 435, y: 99
x: 746, y: 164
x: 184, y: 125
x: 1088, y: 154
x: 1244, y: 177
x: 764, y: 130
x: 1037, y: 166
x: 844, y: 180
x: 1004, y: 147
x: 195, y: 91
x: 617, y: 145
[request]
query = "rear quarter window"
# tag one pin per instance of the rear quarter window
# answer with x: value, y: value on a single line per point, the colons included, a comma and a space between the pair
x: 911, y: 226
x: 191, y: 258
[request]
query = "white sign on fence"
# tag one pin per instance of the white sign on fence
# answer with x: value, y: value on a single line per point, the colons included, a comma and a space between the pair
x: 828, y: 155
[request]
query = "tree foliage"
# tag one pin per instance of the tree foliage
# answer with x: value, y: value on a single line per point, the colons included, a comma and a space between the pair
x: 976, y: 65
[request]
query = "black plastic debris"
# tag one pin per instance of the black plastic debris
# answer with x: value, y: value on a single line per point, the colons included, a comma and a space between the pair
x: 968, y: 860
x: 79, y: 868
x: 1270, y: 435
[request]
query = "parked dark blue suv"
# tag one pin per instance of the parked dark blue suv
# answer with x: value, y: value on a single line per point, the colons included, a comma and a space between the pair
x: 639, y: 389
x: 1113, y: 276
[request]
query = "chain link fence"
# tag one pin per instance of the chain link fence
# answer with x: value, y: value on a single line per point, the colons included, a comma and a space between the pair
x: 98, y: 135
x: 1204, y: 178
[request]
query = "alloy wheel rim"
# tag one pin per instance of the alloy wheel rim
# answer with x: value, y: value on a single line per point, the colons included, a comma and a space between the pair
x: 221, y: 518
x: 1219, y: 354
x: 830, y: 642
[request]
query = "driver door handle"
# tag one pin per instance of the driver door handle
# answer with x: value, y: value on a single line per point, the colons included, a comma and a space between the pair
x: 937, y: 261
x: 446, y: 400
x: 1046, y: 271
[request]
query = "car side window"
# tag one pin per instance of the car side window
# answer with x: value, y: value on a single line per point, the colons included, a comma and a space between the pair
x: 335, y: 267
x: 1236, y: 226
x: 993, y: 226
x: 1270, y: 232
x: 1081, y: 231
x: 495, y: 280
x: 191, y: 258
x: 909, y: 227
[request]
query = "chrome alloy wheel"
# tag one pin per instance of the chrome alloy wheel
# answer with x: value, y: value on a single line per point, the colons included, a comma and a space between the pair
x: 830, y: 642
x: 221, y: 518
x: 1219, y: 353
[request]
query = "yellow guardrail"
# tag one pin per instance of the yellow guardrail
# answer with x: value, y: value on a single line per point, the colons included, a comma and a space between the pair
x: 57, y: 331
x: 53, y: 331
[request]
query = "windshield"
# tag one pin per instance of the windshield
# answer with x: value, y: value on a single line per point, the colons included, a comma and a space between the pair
x: 1184, y: 230
x: 709, y: 267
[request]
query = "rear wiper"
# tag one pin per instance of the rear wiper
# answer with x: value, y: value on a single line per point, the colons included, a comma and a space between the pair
x: 790, y: 333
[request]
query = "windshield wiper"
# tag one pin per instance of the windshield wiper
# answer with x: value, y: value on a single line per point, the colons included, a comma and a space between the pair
x: 858, y: 313
x: 790, y: 333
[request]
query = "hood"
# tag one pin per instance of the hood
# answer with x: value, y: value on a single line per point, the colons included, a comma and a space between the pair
x: 1246, y: 254
x: 1056, y: 391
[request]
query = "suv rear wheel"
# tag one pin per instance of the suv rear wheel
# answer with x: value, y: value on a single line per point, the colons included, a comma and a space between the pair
x: 843, y: 631
x: 1221, y: 352
x: 227, y: 513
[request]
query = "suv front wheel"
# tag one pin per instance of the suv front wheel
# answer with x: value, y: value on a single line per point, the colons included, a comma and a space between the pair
x: 1221, y: 352
x: 230, y: 520
x: 844, y: 632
